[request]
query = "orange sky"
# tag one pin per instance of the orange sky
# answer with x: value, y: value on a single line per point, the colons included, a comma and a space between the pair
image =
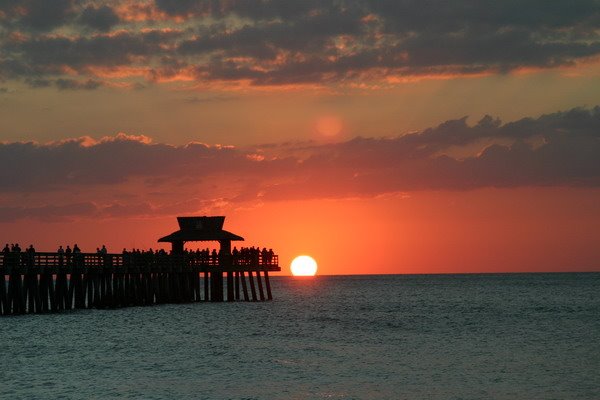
x: 376, y: 136
x: 490, y: 230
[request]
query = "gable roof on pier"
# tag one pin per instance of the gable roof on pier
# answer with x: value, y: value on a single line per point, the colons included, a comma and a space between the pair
x: 196, y: 229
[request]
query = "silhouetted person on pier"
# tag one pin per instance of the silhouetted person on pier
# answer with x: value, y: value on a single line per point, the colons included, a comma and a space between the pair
x: 17, y: 254
x: 30, y: 255
x: 6, y: 249
x: 68, y: 253
x: 61, y: 254
x: 236, y: 255
x: 104, y: 255
x: 255, y: 255
x: 214, y: 256
x: 76, y: 255
x: 264, y: 254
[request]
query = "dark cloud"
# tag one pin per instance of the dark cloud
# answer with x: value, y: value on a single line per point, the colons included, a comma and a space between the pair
x: 38, y: 15
x: 110, y: 161
x: 48, y: 212
x: 49, y: 53
x: 443, y: 16
x: 71, y: 84
x: 277, y: 42
x: 559, y: 149
x: 74, y: 211
x: 187, y: 7
x: 102, y: 18
x: 38, y: 82
x: 42, y: 58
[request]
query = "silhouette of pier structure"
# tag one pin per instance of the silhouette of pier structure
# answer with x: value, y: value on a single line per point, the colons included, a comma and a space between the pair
x: 43, y: 282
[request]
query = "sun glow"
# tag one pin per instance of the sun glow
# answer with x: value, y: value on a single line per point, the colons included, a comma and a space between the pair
x: 329, y: 125
x: 304, y: 266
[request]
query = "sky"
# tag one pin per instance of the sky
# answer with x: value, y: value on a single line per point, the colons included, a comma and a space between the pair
x: 379, y: 137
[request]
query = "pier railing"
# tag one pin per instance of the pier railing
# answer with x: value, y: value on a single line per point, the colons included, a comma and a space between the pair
x: 55, y: 262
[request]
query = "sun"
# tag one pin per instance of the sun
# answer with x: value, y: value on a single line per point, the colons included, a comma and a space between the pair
x: 329, y: 125
x: 304, y: 266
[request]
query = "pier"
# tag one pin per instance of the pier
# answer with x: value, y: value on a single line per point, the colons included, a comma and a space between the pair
x: 43, y: 282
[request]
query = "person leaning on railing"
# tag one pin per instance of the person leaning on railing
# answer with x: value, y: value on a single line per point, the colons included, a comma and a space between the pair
x: 264, y: 254
x: 77, y: 256
x: 68, y: 254
x: 16, y: 250
x: 236, y: 256
x: 30, y: 255
x: 61, y: 254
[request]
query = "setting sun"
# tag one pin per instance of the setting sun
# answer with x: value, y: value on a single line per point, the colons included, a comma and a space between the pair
x: 304, y: 266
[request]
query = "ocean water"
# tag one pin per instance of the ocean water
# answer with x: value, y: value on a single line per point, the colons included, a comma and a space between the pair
x: 513, y: 336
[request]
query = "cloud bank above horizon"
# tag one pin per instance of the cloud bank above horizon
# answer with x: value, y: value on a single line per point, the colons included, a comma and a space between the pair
x: 128, y: 175
x: 84, y: 45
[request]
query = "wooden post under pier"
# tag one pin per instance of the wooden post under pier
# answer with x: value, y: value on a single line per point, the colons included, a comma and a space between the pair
x: 260, y: 286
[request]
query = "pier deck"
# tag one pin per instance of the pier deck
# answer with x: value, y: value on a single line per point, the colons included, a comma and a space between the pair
x: 51, y: 282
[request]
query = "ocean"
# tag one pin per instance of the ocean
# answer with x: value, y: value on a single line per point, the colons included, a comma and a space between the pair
x: 489, y: 336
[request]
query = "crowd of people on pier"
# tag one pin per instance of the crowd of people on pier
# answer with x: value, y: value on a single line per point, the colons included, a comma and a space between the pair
x: 15, y: 248
x: 68, y: 256
x: 15, y: 254
x: 252, y: 255
x: 243, y: 256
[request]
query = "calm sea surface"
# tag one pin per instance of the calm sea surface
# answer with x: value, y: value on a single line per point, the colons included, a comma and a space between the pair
x: 524, y: 336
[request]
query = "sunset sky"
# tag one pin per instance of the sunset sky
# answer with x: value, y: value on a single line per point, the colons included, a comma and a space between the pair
x: 400, y: 136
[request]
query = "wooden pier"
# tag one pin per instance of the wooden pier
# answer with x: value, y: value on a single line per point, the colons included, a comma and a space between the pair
x: 52, y: 282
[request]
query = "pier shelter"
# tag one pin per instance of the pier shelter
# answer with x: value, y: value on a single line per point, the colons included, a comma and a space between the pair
x: 200, y: 229
x: 207, y: 229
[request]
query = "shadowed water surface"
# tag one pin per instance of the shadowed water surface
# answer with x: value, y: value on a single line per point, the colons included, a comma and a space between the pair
x: 519, y: 336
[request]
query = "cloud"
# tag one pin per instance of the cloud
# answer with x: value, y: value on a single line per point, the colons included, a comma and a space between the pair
x: 132, y: 175
x: 277, y: 42
x: 48, y: 213
x: 86, y: 210
x: 37, y: 15
x: 84, y: 161
x: 71, y: 84
x: 210, y: 99
x: 99, y: 18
